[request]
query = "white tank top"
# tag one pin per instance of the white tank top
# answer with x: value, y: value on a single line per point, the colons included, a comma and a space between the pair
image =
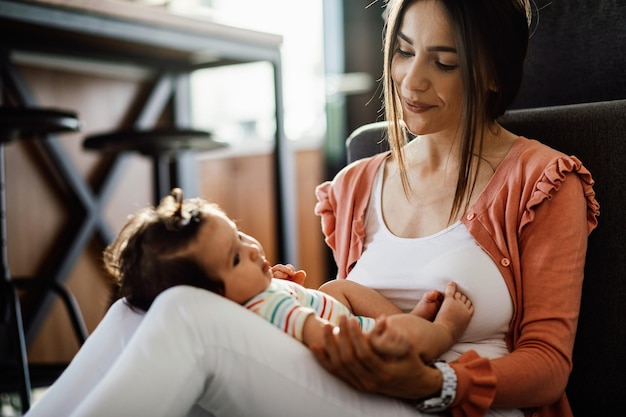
x: 404, y: 269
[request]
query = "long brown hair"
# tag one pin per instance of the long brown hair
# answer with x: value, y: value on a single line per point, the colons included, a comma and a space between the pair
x: 491, y: 39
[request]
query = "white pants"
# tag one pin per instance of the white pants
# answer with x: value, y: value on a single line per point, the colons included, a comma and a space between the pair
x: 197, y: 353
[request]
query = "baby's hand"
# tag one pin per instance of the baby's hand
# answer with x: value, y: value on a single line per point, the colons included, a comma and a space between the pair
x: 289, y: 273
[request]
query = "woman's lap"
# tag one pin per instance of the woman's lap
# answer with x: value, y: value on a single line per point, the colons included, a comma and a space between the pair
x: 91, y: 363
x: 197, y: 348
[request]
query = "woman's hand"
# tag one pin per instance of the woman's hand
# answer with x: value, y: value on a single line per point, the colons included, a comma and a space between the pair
x: 347, y: 353
x: 289, y: 273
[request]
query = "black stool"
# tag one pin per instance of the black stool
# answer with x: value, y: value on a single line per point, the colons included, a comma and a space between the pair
x: 25, y: 123
x: 162, y: 145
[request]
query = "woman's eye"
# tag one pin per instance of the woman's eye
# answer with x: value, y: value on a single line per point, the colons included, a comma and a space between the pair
x: 236, y: 260
x: 445, y: 67
x: 403, y: 53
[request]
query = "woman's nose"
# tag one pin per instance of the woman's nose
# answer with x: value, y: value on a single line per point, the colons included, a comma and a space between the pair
x: 416, y: 78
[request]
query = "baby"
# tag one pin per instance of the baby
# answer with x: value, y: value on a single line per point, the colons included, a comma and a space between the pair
x: 193, y: 242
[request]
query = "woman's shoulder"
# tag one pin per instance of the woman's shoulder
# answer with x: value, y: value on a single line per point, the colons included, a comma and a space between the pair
x: 530, y: 159
x: 533, y: 151
x: 353, y: 176
x: 540, y: 171
x: 363, y: 166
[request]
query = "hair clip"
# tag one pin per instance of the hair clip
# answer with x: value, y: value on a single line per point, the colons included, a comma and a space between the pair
x: 177, y: 195
x: 182, y: 219
x: 194, y: 215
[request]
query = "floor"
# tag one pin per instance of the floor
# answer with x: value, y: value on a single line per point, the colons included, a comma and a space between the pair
x: 10, y: 403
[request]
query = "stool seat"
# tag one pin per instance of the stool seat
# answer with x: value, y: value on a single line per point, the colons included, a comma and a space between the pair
x: 163, y: 146
x: 156, y: 142
x: 29, y: 121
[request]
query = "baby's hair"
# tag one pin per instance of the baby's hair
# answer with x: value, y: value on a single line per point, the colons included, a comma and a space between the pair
x: 150, y: 254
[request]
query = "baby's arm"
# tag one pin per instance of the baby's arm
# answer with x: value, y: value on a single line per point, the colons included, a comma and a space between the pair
x: 312, y: 333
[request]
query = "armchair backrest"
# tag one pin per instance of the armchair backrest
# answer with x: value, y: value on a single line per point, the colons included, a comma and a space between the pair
x: 596, y: 134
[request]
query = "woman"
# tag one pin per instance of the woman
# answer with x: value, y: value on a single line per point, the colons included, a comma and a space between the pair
x: 505, y: 217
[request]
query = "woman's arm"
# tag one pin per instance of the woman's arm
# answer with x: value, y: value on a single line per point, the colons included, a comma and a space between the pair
x: 552, y: 247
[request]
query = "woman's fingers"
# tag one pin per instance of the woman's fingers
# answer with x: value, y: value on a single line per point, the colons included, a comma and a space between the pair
x: 346, y: 354
x: 327, y: 354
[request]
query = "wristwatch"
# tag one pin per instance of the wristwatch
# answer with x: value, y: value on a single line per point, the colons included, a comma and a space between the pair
x: 448, y: 391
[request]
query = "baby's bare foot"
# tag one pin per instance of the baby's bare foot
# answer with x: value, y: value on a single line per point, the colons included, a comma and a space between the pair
x: 455, y: 312
x: 428, y: 306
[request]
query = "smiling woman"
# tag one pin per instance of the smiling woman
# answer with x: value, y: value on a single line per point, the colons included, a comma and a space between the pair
x: 426, y: 71
x: 464, y: 184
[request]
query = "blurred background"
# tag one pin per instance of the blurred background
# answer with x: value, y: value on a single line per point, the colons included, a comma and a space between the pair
x: 283, y: 84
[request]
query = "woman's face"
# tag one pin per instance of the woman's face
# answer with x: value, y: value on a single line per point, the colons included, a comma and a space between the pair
x: 234, y: 257
x: 425, y: 70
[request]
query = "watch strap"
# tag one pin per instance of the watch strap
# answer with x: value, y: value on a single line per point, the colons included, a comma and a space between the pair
x: 448, y: 391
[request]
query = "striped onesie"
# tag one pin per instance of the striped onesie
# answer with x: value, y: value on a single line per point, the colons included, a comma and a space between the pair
x: 287, y: 305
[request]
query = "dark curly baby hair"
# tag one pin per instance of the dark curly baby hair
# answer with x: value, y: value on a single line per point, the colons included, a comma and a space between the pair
x: 150, y: 254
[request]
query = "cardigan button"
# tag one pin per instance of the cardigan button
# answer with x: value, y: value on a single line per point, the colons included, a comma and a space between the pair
x: 505, y: 262
x: 470, y: 216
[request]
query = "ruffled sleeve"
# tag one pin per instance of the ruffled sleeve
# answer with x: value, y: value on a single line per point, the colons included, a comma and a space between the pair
x: 551, y: 181
x: 325, y: 208
x: 476, y: 387
x: 341, y: 204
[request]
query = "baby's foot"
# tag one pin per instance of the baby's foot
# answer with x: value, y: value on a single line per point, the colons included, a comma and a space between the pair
x: 455, y: 312
x: 428, y: 305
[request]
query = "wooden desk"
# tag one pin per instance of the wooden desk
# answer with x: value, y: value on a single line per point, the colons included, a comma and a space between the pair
x: 169, y: 45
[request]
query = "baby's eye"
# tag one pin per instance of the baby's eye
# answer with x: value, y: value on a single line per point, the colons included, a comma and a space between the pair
x: 236, y: 260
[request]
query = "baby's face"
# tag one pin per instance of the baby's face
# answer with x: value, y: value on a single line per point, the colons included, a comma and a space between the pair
x: 234, y: 257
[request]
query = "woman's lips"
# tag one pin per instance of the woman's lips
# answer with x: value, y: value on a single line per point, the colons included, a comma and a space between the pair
x: 417, y: 106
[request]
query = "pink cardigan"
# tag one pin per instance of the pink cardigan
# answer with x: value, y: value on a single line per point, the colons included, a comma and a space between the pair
x: 533, y: 219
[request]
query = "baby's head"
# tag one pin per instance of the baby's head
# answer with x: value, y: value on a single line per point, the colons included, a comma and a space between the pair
x: 183, y: 243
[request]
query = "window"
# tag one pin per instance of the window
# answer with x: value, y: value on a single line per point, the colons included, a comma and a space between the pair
x: 237, y: 102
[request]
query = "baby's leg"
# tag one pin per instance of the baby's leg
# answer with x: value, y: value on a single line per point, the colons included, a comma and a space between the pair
x: 361, y: 300
x: 455, y: 312
x: 395, y: 334
x: 365, y: 301
x: 428, y: 306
